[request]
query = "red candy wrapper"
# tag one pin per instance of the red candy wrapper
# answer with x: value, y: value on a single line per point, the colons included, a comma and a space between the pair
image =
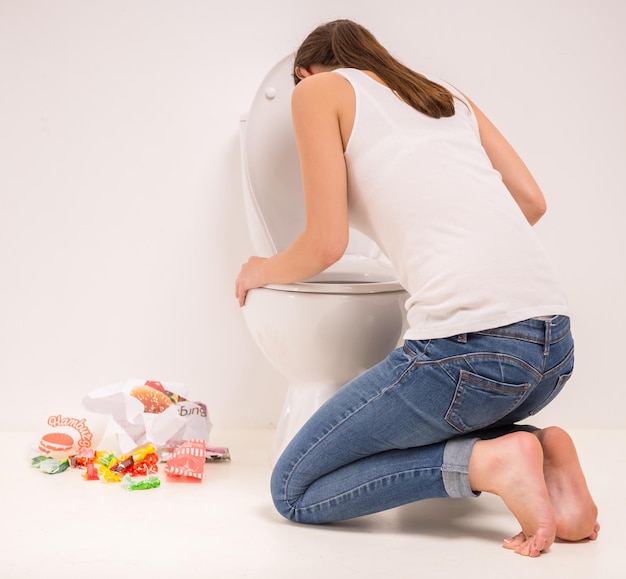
x: 187, y: 460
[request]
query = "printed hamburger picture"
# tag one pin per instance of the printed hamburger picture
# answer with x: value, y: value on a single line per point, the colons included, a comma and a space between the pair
x: 56, y: 442
x: 153, y: 399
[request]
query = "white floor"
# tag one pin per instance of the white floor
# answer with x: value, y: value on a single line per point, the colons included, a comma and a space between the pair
x: 225, y: 527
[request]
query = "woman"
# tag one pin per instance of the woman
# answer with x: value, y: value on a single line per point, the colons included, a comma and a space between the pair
x: 417, y: 167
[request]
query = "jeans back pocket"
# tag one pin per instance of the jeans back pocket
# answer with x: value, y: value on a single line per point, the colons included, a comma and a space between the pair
x: 479, y: 402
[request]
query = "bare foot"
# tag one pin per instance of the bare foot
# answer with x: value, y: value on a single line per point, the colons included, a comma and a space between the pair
x: 511, y: 467
x: 574, y: 509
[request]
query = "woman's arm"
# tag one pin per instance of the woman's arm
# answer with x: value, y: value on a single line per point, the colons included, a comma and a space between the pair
x: 515, y: 175
x: 315, y: 111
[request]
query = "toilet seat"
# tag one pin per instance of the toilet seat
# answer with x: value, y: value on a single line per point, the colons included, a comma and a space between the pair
x: 342, y: 287
x: 350, y: 275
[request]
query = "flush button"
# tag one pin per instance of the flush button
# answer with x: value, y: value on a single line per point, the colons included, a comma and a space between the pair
x: 270, y: 93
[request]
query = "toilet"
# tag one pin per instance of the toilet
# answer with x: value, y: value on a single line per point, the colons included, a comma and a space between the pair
x: 322, y: 332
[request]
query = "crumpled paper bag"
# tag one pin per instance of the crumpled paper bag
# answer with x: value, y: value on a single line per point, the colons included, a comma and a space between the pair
x: 146, y: 411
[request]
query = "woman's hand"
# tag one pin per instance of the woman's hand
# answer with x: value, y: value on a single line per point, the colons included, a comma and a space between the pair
x: 250, y: 277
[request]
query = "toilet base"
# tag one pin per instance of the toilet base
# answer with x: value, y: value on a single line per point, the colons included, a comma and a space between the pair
x: 301, y: 402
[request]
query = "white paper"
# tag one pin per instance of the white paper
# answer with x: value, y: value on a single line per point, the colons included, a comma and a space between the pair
x: 183, y: 420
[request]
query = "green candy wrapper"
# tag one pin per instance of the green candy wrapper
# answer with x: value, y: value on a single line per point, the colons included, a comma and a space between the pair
x: 151, y: 482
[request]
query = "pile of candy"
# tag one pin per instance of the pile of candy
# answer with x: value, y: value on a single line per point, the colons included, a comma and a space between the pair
x: 137, y: 470
x: 141, y: 462
x: 99, y: 465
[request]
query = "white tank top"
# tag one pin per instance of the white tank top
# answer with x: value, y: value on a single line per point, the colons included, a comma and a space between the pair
x: 425, y: 191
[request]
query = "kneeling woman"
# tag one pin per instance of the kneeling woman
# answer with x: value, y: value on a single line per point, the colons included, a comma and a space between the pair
x: 414, y: 164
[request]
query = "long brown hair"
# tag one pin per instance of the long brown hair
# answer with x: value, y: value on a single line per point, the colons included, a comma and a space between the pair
x: 346, y: 44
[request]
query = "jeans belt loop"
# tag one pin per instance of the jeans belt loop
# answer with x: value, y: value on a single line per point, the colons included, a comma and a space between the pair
x: 547, y: 338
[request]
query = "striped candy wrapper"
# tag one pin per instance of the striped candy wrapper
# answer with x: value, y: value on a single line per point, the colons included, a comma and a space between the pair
x: 187, y: 460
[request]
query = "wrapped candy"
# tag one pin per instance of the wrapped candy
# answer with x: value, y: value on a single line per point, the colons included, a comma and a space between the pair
x: 83, y: 458
x: 217, y: 453
x: 142, y: 461
x: 50, y: 465
x: 151, y: 482
x: 92, y: 472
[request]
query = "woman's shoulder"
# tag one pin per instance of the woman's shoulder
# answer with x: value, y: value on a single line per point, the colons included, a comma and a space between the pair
x: 324, y: 89
x: 323, y: 83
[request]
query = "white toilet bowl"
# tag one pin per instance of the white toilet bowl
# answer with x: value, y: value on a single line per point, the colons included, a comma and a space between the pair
x: 323, y: 332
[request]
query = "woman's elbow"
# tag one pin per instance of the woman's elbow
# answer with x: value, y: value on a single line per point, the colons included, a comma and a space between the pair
x: 332, y: 251
x: 536, y: 210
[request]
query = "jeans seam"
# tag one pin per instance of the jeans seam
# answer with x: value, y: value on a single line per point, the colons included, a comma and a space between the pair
x: 468, y: 358
x: 558, y: 368
x: 523, y: 336
x: 356, y: 489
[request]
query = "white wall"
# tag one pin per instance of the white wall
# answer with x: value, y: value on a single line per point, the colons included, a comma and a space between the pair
x: 121, y: 223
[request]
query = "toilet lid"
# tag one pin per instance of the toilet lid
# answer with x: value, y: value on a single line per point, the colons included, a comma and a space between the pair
x: 272, y: 159
x: 272, y: 165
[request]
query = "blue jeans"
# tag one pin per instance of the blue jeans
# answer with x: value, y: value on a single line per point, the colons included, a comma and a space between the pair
x: 404, y: 430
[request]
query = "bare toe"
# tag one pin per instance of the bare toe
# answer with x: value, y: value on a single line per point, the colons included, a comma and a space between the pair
x: 514, y: 542
x: 533, y: 546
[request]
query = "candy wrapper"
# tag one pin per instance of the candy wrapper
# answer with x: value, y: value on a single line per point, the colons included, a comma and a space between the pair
x: 187, y: 461
x: 150, y: 482
x: 50, y: 465
x: 66, y: 429
x: 148, y: 411
x: 217, y: 453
